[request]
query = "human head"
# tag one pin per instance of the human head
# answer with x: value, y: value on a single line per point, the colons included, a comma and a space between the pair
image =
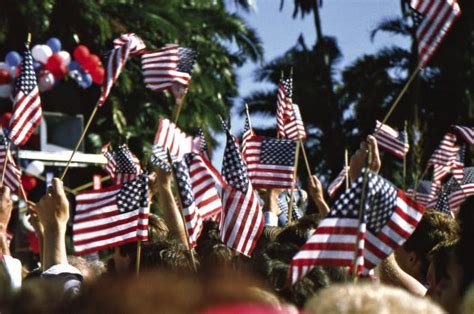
x: 433, y: 228
x: 368, y: 299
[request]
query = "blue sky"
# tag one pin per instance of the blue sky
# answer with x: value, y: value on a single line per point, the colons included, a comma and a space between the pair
x: 350, y: 21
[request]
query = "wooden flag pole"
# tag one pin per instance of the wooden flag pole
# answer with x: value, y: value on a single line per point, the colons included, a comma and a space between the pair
x: 360, y: 227
x: 295, y: 172
x: 86, y: 128
x: 180, y: 205
x: 179, y: 107
x: 308, y: 167
x: 346, y: 165
x: 139, y: 257
x: 88, y: 184
x: 399, y: 97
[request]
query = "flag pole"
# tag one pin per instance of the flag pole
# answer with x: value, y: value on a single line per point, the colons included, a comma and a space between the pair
x: 139, y: 257
x: 44, y: 180
x: 179, y: 108
x: 359, y: 245
x: 88, y: 184
x: 308, y: 167
x: 248, y: 115
x: 399, y: 97
x: 295, y: 172
x: 86, y: 128
x: 180, y: 205
x: 405, y: 164
x: 346, y: 165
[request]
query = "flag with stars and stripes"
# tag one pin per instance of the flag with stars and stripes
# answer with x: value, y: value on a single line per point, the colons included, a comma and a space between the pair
x: 170, y: 137
x: 242, y: 223
x: 111, y: 216
x: 192, y: 218
x: 466, y: 132
x: 434, y: 19
x: 454, y: 193
x: 27, y: 113
x: 122, y: 165
x: 424, y: 193
x: 338, y: 181
x: 294, y: 127
x: 126, y: 45
x: 284, y: 101
x: 283, y: 205
x: 444, y: 157
x: 206, y: 184
x: 12, y: 176
x: 391, y: 140
x: 168, y: 67
x: 389, y: 217
x: 202, y: 141
x: 270, y: 162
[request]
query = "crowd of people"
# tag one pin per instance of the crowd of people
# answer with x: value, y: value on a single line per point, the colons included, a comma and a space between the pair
x: 431, y: 272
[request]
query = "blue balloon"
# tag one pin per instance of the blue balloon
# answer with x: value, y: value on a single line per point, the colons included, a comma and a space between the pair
x: 37, y: 66
x: 13, y: 58
x: 86, y: 80
x: 74, y: 65
x: 54, y: 44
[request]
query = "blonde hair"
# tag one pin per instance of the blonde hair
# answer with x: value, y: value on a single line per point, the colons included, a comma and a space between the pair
x: 368, y: 299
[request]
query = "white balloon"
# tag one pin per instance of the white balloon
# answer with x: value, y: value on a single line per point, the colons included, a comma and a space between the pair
x: 35, y: 168
x: 65, y: 56
x: 46, y: 82
x: 41, y: 53
x: 5, y: 90
x: 3, y: 65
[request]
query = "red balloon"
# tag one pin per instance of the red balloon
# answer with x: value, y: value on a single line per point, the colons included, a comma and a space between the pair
x: 91, y: 63
x: 98, y: 75
x: 81, y: 53
x: 28, y: 182
x: 54, y: 63
x: 5, y: 119
x: 60, y: 72
x: 5, y: 77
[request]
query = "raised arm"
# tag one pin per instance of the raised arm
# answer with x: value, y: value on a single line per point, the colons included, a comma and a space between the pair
x: 315, y: 191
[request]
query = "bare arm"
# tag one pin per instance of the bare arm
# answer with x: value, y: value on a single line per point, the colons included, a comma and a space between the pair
x: 36, y: 224
x: 53, y: 213
x: 160, y: 182
x: 6, y: 207
x: 315, y: 190
x: 390, y: 273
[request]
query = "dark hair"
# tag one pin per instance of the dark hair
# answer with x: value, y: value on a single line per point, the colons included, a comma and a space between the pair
x: 440, y: 256
x: 433, y: 228
x: 298, y: 232
x: 464, y: 249
x: 168, y: 254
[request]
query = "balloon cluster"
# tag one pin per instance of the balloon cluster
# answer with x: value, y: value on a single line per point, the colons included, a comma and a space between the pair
x: 52, y: 65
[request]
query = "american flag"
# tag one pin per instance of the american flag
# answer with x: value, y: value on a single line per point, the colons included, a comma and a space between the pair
x: 453, y: 194
x: 168, y: 67
x: 206, y: 184
x: 170, y: 137
x: 466, y: 132
x: 12, y: 176
x: 192, y: 217
x: 126, y: 45
x: 284, y: 101
x: 242, y: 223
x: 338, y: 181
x: 444, y: 157
x: 391, y: 140
x: 294, y: 127
x: 202, y: 141
x: 389, y: 218
x: 434, y: 19
x: 423, y: 194
x: 111, y: 216
x: 122, y: 165
x: 270, y: 162
x: 283, y: 204
x: 248, y: 133
x: 27, y: 112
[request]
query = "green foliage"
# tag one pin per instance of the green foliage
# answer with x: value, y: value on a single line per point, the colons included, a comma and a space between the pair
x: 224, y: 42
